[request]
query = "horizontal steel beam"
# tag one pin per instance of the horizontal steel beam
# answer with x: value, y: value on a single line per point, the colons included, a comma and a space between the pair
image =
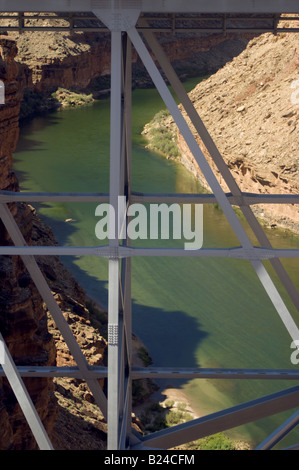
x: 154, y: 6
x: 99, y: 29
x: 202, y: 373
x: 11, y: 196
x: 169, y: 22
x: 94, y: 372
x: 102, y: 29
x: 244, y: 199
x: 100, y: 372
x: 161, y: 17
x: 255, y: 253
x: 219, y: 17
x: 223, y: 420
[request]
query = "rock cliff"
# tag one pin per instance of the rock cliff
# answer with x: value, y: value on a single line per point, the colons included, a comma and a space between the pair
x: 22, y: 322
x: 40, y: 63
x: 81, y: 61
x: 25, y: 323
x: 251, y: 111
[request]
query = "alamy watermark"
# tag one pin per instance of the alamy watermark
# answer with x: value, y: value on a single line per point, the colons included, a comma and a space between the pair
x: 2, y: 92
x: 295, y: 94
x: 151, y: 222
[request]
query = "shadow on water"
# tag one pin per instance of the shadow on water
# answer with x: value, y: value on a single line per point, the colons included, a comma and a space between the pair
x: 171, y: 337
x: 170, y: 334
x: 32, y: 127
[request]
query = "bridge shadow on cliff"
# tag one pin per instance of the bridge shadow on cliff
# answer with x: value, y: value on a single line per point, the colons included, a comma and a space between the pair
x: 171, y: 336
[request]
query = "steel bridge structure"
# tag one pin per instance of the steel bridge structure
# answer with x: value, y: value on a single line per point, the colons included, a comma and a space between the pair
x: 134, y: 23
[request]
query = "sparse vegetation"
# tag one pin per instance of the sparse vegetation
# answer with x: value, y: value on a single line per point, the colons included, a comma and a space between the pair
x: 177, y: 417
x: 68, y: 98
x: 217, y: 441
x: 160, y: 116
x: 162, y: 138
x: 159, y: 416
x: 165, y: 141
x: 143, y: 355
x: 35, y: 103
x: 169, y: 403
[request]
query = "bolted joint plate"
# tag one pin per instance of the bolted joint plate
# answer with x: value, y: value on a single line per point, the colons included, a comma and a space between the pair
x: 112, y: 334
x: 116, y: 17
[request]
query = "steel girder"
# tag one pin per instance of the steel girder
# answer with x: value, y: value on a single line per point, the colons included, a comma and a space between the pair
x: 153, y: 6
x: 121, y: 18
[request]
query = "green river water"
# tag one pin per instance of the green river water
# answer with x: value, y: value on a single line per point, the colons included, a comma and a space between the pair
x: 188, y: 312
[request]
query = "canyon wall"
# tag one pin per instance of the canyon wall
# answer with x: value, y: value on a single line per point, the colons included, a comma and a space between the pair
x: 251, y: 111
x: 54, y: 59
x: 40, y: 63
x: 81, y: 61
x: 25, y: 323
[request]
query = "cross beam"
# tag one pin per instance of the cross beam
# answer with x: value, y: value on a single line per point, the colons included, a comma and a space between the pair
x: 167, y: 23
x: 125, y: 19
x: 224, y: 420
x: 154, y: 6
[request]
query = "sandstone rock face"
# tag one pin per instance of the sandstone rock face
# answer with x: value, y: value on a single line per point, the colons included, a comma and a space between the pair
x: 22, y: 320
x: 56, y: 59
x: 72, y: 61
x: 242, y: 105
x: 251, y: 111
x: 9, y: 123
x: 25, y: 323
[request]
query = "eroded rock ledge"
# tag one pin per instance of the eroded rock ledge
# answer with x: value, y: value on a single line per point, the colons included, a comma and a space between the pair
x: 25, y: 323
x: 250, y: 111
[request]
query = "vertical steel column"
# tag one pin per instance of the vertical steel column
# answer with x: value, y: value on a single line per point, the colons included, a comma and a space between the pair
x: 126, y: 262
x: 125, y: 399
x: 119, y: 303
x: 114, y: 271
x: 125, y: 308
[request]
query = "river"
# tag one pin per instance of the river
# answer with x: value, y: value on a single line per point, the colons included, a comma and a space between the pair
x: 188, y: 312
